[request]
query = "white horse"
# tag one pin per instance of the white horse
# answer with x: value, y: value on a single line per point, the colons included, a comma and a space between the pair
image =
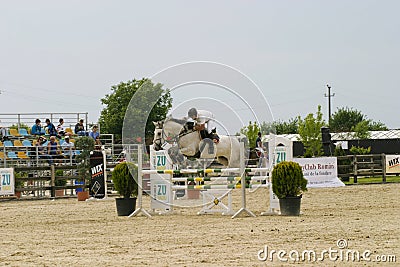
x: 189, y: 141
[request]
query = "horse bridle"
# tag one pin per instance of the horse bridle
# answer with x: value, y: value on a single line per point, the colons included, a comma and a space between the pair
x: 171, y: 140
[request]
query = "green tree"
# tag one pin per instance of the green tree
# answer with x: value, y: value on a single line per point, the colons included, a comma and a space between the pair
x: 346, y: 119
x: 280, y: 127
x: 251, y: 131
x: 361, y: 130
x: 116, y: 105
x: 377, y: 126
x: 310, y: 133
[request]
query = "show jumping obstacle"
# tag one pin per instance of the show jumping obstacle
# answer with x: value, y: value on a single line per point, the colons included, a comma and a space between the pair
x: 220, y: 183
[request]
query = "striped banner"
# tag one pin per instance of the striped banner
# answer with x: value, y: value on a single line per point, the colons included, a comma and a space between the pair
x: 217, y: 186
x: 194, y: 171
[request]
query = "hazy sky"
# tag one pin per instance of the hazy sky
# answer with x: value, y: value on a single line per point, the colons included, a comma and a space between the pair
x: 64, y: 56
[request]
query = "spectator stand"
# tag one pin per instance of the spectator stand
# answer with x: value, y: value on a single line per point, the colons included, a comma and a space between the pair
x: 19, y: 151
x: 25, y: 121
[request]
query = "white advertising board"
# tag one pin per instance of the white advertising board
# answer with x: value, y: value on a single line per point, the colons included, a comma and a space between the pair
x: 320, y: 172
x: 6, y: 181
x: 392, y: 163
x: 161, y: 192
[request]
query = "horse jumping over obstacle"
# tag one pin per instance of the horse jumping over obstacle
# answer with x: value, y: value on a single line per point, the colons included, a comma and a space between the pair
x: 189, y: 141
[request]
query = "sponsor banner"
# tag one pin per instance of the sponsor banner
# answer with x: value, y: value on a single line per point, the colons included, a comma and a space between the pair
x: 97, y: 186
x: 392, y: 163
x: 160, y: 160
x: 161, y: 191
x: 6, y: 181
x: 320, y: 172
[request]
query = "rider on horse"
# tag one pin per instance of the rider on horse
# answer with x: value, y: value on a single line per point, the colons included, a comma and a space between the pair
x: 203, y: 123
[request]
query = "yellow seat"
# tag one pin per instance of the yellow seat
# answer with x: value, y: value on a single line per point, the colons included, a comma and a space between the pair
x: 2, y: 156
x: 14, y: 132
x: 18, y: 143
x: 1, y: 143
x: 22, y: 155
x: 69, y: 130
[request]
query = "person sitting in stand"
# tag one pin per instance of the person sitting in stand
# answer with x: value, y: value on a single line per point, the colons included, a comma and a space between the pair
x: 41, y: 152
x: 37, y: 128
x: 68, y: 147
x: 51, y: 128
x: 60, y: 127
x: 94, y: 133
x: 53, y: 149
x: 80, y: 128
x: 3, y: 132
x: 97, y: 143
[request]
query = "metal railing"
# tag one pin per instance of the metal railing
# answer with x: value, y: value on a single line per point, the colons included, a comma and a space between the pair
x: 28, y: 119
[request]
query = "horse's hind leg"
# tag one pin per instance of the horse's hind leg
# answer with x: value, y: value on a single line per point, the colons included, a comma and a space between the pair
x: 223, y: 161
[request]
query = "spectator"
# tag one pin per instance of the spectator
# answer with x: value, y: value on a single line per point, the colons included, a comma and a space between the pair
x: 68, y: 147
x: 97, y: 143
x: 37, y: 128
x: 258, y: 140
x: 60, y: 127
x: 41, y: 153
x: 3, y: 132
x: 94, y: 133
x: 53, y: 149
x: 80, y: 128
x: 260, y: 150
x: 51, y: 128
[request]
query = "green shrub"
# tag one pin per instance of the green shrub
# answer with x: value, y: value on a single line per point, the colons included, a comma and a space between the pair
x: 19, y: 183
x: 288, y: 179
x: 85, y: 144
x: 358, y: 150
x: 60, y: 182
x: 124, y: 182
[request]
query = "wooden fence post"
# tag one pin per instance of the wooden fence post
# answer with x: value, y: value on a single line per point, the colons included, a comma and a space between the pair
x: 53, y: 180
x: 383, y: 168
x: 355, y: 168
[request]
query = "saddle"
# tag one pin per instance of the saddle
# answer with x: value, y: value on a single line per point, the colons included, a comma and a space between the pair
x: 205, y: 135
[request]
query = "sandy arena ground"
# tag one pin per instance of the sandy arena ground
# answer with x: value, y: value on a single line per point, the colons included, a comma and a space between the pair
x: 66, y: 232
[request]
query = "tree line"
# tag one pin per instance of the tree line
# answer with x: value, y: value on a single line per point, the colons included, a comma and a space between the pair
x: 344, y: 120
x: 116, y: 105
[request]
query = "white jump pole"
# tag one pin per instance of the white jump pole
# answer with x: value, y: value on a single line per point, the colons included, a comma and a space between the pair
x: 243, y: 184
x: 103, y: 152
x: 140, y: 185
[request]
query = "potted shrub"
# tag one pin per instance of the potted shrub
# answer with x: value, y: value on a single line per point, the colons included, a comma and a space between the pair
x: 288, y: 183
x: 124, y: 177
x: 18, y: 183
x: 60, y: 183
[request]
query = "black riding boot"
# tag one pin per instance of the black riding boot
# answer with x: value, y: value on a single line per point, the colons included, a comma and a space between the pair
x: 210, y: 145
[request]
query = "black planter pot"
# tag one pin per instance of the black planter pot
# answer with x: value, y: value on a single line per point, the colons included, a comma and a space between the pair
x: 290, y: 206
x: 125, y: 206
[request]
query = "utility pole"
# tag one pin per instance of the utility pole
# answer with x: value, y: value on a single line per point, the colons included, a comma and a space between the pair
x: 329, y: 102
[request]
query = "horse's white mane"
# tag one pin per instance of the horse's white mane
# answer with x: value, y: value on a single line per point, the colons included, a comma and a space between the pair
x: 179, y: 121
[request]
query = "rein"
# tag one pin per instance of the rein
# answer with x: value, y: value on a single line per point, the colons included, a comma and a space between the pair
x: 170, y: 140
